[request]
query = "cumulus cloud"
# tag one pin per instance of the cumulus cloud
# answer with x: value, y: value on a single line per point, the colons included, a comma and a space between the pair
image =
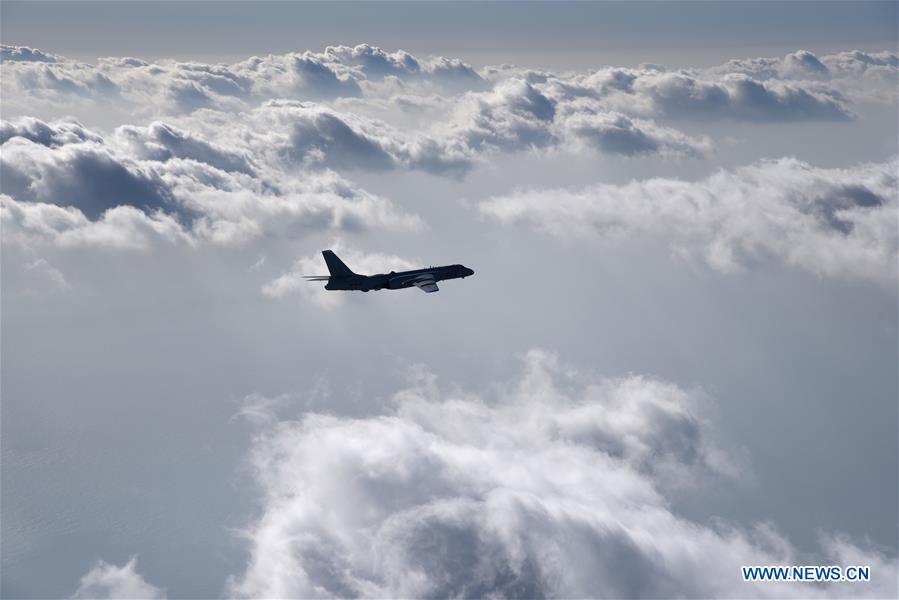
x: 552, y: 487
x: 55, y: 134
x: 161, y: 141
x: 655, y: 92
x: 799, y: 86
x: 515, y: 110
x: 832, y: 222
x: 742, y: 98
x: 514, y: 115
x: 124, y: 227
x: 25, y: 54
x: 804, y: 65
x: 87, y: 175
x: 512, y: 118
x: 105, y: 580
x: 164, y: 180
x: 856, y: 74
x: 293, y: 283
x: 166, y: 87
x: 374, y: 63
x: 295, y: 76
x: 314, y: 135
x: 582, y: 121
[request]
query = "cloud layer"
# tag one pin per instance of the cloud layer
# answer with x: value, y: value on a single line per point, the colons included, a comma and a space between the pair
x: 332, y: 99
x: 63, y: 184
x: 832, y: 222
x: 555, y: 487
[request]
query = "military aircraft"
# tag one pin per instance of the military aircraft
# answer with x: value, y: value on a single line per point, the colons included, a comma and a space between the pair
x: 342, y: 278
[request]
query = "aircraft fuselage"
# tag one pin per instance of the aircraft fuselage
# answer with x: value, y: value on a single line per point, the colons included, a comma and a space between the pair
x: 397, y: 280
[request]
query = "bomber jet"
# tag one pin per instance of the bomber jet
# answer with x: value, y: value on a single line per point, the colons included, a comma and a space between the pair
x: 342, y: 278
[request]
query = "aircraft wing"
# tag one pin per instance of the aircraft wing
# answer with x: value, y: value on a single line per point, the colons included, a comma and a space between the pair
x: 427, y: 284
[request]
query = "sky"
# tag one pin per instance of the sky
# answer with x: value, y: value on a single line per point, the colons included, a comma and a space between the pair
x: 677, y: 356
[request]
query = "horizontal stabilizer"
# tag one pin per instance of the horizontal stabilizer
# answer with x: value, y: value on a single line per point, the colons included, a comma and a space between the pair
x: 316, y: 277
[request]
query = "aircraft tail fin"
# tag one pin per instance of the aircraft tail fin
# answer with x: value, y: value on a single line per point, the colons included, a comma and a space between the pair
x: 336, y: 267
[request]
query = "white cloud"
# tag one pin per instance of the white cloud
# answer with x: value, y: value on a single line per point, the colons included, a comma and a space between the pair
x: 858, y: 75
x: 832, y: 222
x: 88, y: 175
x: 58, y: 133
x: 247, y: 184
x: 296, y: 76
x: 799, y: 86
x: 25, y: 54
x: 614, y: 133
x: 557, y: 487
x: 655, y: 92
x: 161, y: 141
x: 375, y: 63
x: 166, y: 87
x: 517, y: 109
x: 313, y: 135
x: 513, y: 116
x: 172, y: 182
x: 105, y: 580
x: 805, y: 65
x: 123, y: 227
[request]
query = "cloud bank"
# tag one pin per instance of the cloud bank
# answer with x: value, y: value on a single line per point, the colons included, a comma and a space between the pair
x: 63, y: 184
x: 554, y: 487
x: 832, y: 222
x: 326, y: 103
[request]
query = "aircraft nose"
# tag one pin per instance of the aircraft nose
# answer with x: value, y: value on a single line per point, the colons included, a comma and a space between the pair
x: 469, y: 271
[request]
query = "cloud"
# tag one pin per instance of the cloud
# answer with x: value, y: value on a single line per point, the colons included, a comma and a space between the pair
x: 166, y: 87
x: 161, y: 141
x: 123, y: 227
x: 292, y: 282
x: 168, y: 181
x: 615, y: 133
x: 553, y: 487
x: 24, y: 54
x: 56, y: 134
x: 349, y: 108
x: 655, y: 92
x: 513, y: 116
x: 798, y: 86
x: 318, y: 136
x: 293, y: 75
x: 805, y: 65
x: 300, y: 93
x: 375, y: 63
x: 60, y: 86
x: 855, y: 74
x: 87, y: 175
x: 832, y: 222
x: 105, y: 580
